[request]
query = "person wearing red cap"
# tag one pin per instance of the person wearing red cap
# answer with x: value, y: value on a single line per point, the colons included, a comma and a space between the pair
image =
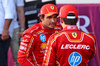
x: 70, y: 46
x: 34, y: 39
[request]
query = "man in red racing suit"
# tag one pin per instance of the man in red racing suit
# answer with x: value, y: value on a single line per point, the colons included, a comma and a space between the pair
x: 71, y: 46
x: 34, y: 39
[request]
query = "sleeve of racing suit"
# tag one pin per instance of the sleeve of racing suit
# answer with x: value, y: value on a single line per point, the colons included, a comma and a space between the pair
x: 49, y: 57
x: 92, y: 47
x: 25, y: 57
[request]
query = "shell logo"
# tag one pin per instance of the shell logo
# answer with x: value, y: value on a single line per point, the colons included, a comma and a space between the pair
x: 43, y: 45
x: 56, y: 31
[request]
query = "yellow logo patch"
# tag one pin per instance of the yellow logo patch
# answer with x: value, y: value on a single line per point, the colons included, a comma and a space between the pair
x: 74, y: 34
x: 43, y: 46
x: 56, y: 31
x: 40, y: 31
x: 52, y: 7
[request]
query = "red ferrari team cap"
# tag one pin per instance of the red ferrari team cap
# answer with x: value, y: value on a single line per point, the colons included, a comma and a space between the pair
x: 48, y: 9
x: 67, y: 9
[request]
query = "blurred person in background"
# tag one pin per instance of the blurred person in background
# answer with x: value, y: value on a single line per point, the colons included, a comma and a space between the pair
x: 18, y: 29
x: 34, y: 39
x: 71, y: 46
x: 7, y: 13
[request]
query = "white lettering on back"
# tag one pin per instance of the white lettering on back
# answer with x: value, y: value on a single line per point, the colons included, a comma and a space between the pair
x: 75, y: 46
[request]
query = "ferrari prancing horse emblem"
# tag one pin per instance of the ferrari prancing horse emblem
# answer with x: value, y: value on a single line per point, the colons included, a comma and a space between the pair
x: 52, y: 7
x: 74, y: 34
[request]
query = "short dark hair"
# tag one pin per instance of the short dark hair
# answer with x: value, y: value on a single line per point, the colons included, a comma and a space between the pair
x: 70, y: 21
x: 42, y: 17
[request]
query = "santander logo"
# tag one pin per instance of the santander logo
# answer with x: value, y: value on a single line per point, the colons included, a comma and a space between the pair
x: 86, y: 24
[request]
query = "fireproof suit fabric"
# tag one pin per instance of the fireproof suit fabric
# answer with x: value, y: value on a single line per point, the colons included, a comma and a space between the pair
x: 69, y: 47
x: 33, y: 44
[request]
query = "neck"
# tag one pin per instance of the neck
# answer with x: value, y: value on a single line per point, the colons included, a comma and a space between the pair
x: 63, y: 25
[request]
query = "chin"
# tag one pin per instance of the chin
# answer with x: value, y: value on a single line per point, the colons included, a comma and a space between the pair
x: 52, y: 27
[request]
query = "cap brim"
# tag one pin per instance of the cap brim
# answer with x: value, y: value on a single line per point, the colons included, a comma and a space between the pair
x: 52, y: 13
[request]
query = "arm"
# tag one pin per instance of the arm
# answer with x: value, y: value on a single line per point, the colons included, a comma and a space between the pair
x: 50, y: 54
x: 21, y: 17
x: 9, y: 15
x: 25, y: 57
x: 5, y: 33
x: 92, y: 47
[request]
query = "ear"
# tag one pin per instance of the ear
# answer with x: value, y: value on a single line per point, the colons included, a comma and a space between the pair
x: 61, y: 20
x: 41, y: 18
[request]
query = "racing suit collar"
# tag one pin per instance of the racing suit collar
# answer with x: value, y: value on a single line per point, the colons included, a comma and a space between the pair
x: 71, y: 27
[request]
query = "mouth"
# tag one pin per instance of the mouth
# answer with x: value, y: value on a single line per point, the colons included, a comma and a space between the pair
x: 52, y: 25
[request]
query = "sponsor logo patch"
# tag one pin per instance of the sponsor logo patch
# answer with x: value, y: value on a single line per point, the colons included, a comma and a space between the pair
x: 56, y: 31
x: 23, y: 48
x: 75, y: 59
x: 43, y: 45
x: 42, y: 37
x: 74, y: 34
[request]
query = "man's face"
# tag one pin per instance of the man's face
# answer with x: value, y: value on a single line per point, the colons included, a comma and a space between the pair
x: 49, y: 21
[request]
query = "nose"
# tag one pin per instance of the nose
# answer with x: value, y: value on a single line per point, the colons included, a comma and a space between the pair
x: 52, y: 20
